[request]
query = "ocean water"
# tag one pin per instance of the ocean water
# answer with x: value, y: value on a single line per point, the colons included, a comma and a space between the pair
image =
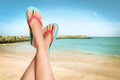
x: 101, y: 46
x: 96, y: 45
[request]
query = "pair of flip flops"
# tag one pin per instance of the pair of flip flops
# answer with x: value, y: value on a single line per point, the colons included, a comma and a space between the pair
x: 29, y: 20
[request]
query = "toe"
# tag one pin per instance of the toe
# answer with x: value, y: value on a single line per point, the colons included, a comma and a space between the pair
x: 50, y: 27
x: 36, y: 13
x: 29, y: 14
x: 45, y: 29
x: 54, y: 29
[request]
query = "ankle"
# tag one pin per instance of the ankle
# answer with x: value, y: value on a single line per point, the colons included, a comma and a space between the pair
x: 42, y: 50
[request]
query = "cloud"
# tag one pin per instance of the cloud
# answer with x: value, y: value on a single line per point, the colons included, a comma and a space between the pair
x: 92, y: 12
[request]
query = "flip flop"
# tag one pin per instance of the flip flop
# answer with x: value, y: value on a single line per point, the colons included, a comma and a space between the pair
x: 53, y: 37
x: 30, y: 20
x: 35, y: 17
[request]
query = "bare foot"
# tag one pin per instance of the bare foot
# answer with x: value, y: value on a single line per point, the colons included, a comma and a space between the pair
x: 36, y: 28
x: 47, y: 36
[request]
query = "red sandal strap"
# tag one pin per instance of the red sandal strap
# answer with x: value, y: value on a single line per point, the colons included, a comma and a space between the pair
x: 51, y: 32
x: 34, y: 17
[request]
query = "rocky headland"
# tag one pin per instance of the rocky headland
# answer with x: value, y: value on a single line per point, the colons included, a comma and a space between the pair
x: 73, y: 37
x: 12, y: 39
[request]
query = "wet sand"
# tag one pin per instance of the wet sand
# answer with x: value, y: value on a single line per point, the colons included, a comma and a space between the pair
x: 65, y: 67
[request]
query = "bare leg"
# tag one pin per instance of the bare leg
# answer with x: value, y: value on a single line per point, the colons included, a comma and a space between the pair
x: 30, y: 72
x: 43, y: 58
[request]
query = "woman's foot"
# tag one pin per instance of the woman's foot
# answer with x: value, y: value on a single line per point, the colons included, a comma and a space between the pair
x: 48, y: 34
x: 35, y: 28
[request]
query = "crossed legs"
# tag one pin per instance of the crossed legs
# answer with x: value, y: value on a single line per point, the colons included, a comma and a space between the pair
x: 39, y: 68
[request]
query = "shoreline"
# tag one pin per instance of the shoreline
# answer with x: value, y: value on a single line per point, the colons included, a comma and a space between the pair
x: 73, y: 54
x: 116, y: 57
x: 9, y: 47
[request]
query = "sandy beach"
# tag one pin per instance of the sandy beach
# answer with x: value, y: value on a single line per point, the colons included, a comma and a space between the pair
x: 73, y: 67
x: 81, y: 38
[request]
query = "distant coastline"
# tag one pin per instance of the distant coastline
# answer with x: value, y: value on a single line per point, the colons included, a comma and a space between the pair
x: 12, y: 39
x: 73, y: 37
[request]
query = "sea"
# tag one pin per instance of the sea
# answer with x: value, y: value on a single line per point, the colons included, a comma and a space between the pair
x: 96, y: 45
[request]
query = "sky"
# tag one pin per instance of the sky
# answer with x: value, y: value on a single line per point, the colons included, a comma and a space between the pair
x: 75, y: 17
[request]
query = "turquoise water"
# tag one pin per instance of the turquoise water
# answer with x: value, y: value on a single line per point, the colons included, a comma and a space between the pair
x: 101, y: 45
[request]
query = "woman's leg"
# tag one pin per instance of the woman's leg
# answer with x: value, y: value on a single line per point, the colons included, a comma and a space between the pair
x: 42, y: 64
x: 42, y: 67
x: 30, y: 72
